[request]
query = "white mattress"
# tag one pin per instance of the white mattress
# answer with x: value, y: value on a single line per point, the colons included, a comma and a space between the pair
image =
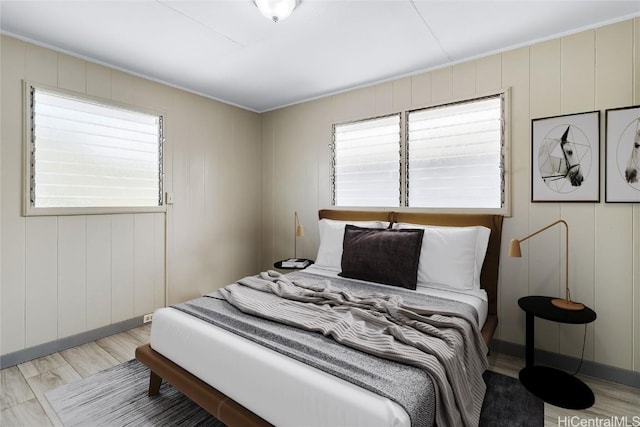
x: 281, y: 390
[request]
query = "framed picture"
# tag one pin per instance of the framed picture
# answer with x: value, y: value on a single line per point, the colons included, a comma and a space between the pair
x: 565, y: 158
x: 622, y: 174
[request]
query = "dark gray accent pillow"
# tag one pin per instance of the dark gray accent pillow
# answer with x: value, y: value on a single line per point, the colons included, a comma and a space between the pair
x: 382, y: 255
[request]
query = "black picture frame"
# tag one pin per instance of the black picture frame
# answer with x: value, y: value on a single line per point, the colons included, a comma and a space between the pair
x: 565, y: 158
x: 622, y: 155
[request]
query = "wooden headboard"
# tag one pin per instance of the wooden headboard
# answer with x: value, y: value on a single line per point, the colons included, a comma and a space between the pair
x: 489, y: 274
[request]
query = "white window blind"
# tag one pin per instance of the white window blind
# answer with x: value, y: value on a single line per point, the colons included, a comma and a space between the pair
x: 455, y: 155
x: 89, y: 154
x: 366, y: 169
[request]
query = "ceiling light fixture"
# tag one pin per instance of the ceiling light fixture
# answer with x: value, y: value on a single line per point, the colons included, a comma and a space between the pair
x: 276, y: 10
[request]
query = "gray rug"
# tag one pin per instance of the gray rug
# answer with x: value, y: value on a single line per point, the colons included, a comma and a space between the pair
x: 118, y: 397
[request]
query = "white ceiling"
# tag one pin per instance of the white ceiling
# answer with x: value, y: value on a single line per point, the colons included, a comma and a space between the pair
x: 228, y: 51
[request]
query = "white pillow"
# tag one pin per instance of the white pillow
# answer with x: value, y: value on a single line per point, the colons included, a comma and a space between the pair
x: 451, y: 256
x: 332, y: 237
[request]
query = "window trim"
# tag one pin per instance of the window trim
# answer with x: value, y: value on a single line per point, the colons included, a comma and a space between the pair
x: 507, y: 178
x: 28, y: 142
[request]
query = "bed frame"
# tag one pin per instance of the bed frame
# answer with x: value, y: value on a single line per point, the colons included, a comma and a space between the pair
x: 232, y: 413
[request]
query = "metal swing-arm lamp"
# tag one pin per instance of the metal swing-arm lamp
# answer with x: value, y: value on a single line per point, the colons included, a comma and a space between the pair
x: 566, y: 303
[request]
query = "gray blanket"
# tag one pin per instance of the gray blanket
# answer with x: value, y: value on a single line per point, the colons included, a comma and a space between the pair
x: 447, y: 348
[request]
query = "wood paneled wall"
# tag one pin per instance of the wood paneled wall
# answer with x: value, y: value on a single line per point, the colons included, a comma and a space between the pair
x: 236, y: 175
x: 64, y: 275
x: 591, y: 70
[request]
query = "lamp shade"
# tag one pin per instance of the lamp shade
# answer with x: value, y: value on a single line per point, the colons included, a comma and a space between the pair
x: 514, y: 248
x: 298, y: 231
x: 299, y: 227
x: 276, y: 10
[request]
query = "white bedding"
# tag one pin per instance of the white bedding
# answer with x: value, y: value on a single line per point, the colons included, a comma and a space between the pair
x: 281, y: 390
x: 477, y: 298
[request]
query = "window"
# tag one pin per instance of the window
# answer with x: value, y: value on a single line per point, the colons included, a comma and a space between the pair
x: 366, y: 162
x: 89, y: 156
x: 455, y: 155
x: 449, y: 157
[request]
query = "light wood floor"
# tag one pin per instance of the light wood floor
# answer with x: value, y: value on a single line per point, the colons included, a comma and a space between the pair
x: 23, y: 386
x: 616, y: 404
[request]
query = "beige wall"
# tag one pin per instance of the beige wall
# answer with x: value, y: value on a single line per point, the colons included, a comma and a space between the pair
x: 63, y: 275
x: 238, y: 176
x: 591, y: 70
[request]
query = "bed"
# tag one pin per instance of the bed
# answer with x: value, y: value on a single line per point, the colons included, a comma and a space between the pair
x: 201, y: 360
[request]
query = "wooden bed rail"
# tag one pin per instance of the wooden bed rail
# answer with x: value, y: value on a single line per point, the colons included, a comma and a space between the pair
x: 211, y: 400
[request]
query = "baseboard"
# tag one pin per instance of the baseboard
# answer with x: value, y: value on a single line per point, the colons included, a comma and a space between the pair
x: 570, y: 364
x: 21, y: 356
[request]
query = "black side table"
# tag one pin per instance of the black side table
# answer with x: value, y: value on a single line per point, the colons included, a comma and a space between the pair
x: 552, y: 385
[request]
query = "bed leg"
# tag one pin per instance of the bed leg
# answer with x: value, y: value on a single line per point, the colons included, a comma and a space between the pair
x: 154, y: 384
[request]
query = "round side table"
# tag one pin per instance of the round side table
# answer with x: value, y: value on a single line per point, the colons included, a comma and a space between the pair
x: 553, y: 385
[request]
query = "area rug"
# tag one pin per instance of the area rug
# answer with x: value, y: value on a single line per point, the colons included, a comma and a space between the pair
x: 118, y: 397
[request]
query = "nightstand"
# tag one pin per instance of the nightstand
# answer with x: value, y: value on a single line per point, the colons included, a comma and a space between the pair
x: 552, y: 385
x: 293, y: 263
